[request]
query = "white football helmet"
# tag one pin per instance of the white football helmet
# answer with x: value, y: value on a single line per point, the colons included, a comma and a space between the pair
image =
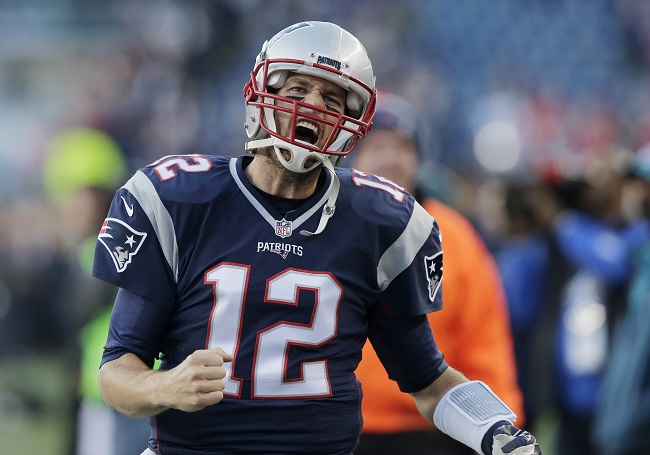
x: 317, y: 49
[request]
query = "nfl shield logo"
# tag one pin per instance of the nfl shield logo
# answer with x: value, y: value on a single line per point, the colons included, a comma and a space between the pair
x: 282, y: 228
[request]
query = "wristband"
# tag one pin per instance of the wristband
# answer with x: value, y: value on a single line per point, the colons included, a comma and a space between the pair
x: 467, y: 411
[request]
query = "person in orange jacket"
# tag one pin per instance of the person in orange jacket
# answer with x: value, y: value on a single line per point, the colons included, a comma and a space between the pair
x: 473, y: 328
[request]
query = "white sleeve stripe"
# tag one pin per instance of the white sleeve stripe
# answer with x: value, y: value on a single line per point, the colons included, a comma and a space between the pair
x: 145, y: 193
x: 402, y: 253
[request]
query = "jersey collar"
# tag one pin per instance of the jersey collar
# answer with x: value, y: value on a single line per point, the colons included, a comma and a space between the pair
x: 283, y: 226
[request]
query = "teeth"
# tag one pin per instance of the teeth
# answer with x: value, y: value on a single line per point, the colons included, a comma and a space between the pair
x: 309, y: 125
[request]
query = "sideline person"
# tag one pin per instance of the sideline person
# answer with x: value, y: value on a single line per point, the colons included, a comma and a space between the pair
x: 472, y: 330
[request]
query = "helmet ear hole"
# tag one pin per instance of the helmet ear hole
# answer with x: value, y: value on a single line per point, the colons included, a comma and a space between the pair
x: 252, y: 123
x: 277, y: 79
x: 354, y: 103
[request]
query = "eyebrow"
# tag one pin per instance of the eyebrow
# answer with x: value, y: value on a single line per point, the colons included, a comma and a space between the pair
x: 328, y: 88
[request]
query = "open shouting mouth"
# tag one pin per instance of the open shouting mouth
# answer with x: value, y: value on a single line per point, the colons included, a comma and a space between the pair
x: 307, y: 132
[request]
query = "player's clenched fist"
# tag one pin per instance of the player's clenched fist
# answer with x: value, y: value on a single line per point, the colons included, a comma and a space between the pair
x: 198, y: 381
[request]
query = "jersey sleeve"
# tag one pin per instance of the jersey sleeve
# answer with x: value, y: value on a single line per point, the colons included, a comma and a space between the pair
x: 409, y: 272
x: 135, y: 247
x: 406, y: 348
x: 137, y: 326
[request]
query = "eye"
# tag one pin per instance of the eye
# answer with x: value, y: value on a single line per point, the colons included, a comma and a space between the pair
x: 333, y: 104
x: 295, y: 92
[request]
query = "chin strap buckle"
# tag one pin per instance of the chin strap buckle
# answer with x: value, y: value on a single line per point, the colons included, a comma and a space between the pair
x: 330, y: 205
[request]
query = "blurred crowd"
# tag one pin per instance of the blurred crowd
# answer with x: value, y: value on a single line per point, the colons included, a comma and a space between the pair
x: 536, y: 114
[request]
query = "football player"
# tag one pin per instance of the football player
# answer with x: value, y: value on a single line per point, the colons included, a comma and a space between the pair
x: 258, y: 279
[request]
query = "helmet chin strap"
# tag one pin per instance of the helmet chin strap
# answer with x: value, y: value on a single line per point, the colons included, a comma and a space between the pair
x: 296, y: 166
x: 330, y: 205
x: 299, y: 154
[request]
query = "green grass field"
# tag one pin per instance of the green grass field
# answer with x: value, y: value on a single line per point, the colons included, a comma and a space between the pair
x: 36, y: 407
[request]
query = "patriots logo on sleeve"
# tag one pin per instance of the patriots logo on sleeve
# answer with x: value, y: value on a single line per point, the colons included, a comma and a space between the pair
x: 121, y: 240
x: 433, y: 270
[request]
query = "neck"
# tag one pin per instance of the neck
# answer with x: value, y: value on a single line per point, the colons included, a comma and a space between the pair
x: 267, y: 174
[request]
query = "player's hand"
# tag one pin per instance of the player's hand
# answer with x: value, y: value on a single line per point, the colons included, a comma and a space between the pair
x: 510, y: 440
x: 198, y: 381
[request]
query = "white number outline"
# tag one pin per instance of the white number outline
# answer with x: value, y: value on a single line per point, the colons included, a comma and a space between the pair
x: 164, y: 166
x: 283, y: 288
x: 382, y: 183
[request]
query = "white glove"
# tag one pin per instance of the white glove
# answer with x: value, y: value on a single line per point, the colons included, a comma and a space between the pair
x: 510, y: 440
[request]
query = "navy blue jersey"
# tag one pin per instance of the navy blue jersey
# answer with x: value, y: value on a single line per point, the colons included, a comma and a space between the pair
x: 205, y: 249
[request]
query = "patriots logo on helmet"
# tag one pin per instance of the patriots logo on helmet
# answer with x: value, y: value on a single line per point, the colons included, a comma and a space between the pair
x: 433, y: 270
x: 329, y: 61
x: 121, y: 240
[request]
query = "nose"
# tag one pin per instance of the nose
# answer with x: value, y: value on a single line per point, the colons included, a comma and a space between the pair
x: 315, y: 98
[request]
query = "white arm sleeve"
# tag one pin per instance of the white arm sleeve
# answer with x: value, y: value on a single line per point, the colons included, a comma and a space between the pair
x: 468, y: 410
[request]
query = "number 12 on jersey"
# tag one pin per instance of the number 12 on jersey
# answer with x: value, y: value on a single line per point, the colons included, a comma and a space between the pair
x: 229, y: 283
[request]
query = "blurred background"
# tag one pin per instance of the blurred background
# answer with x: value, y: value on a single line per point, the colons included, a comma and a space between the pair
x: 531, y: 110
